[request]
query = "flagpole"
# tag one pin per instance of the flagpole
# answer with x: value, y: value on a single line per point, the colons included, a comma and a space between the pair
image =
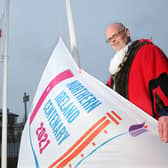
x: 73, y: 41
x: 4, y: 95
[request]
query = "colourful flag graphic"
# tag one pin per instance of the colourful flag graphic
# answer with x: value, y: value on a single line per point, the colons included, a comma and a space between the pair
x: 77, y: 121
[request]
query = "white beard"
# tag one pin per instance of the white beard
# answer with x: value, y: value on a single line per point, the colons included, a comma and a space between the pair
x: 117, y: 59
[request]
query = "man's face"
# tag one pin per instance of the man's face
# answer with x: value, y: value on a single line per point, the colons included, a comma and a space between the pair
x: 117, y: 36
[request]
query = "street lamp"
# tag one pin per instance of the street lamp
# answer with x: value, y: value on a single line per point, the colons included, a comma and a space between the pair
x: 25, y: 100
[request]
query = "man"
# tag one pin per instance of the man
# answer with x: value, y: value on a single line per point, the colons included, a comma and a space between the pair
x: 139, y: 72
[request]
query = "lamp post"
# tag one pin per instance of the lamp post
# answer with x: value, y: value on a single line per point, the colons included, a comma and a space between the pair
x: 25, y: 100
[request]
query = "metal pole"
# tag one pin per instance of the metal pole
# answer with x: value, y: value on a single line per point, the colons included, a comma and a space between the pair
x: 72, y: 33
x: 4, y: 95
x: 25, y: 100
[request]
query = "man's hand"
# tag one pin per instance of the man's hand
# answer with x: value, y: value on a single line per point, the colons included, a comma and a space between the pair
x: 163, y: 128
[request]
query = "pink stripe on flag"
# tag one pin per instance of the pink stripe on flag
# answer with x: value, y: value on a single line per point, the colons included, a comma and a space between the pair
x: 59, y: 78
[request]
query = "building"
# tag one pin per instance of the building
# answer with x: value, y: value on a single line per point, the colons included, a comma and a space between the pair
x: 13, y: 138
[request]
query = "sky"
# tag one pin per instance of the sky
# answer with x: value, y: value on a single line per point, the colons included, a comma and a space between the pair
x: 36, y: 25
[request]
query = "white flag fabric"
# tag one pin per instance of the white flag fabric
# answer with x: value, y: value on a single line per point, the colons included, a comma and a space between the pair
x: 77, y: 121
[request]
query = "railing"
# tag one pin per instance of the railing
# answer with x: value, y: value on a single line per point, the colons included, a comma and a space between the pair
x: 12, y: 150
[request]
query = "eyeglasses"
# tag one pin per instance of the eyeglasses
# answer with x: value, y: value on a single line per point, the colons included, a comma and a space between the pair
x: 114, y: 36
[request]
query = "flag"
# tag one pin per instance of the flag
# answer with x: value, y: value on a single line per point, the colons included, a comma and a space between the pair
x: 77, y: 121
x: 1, y: 34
